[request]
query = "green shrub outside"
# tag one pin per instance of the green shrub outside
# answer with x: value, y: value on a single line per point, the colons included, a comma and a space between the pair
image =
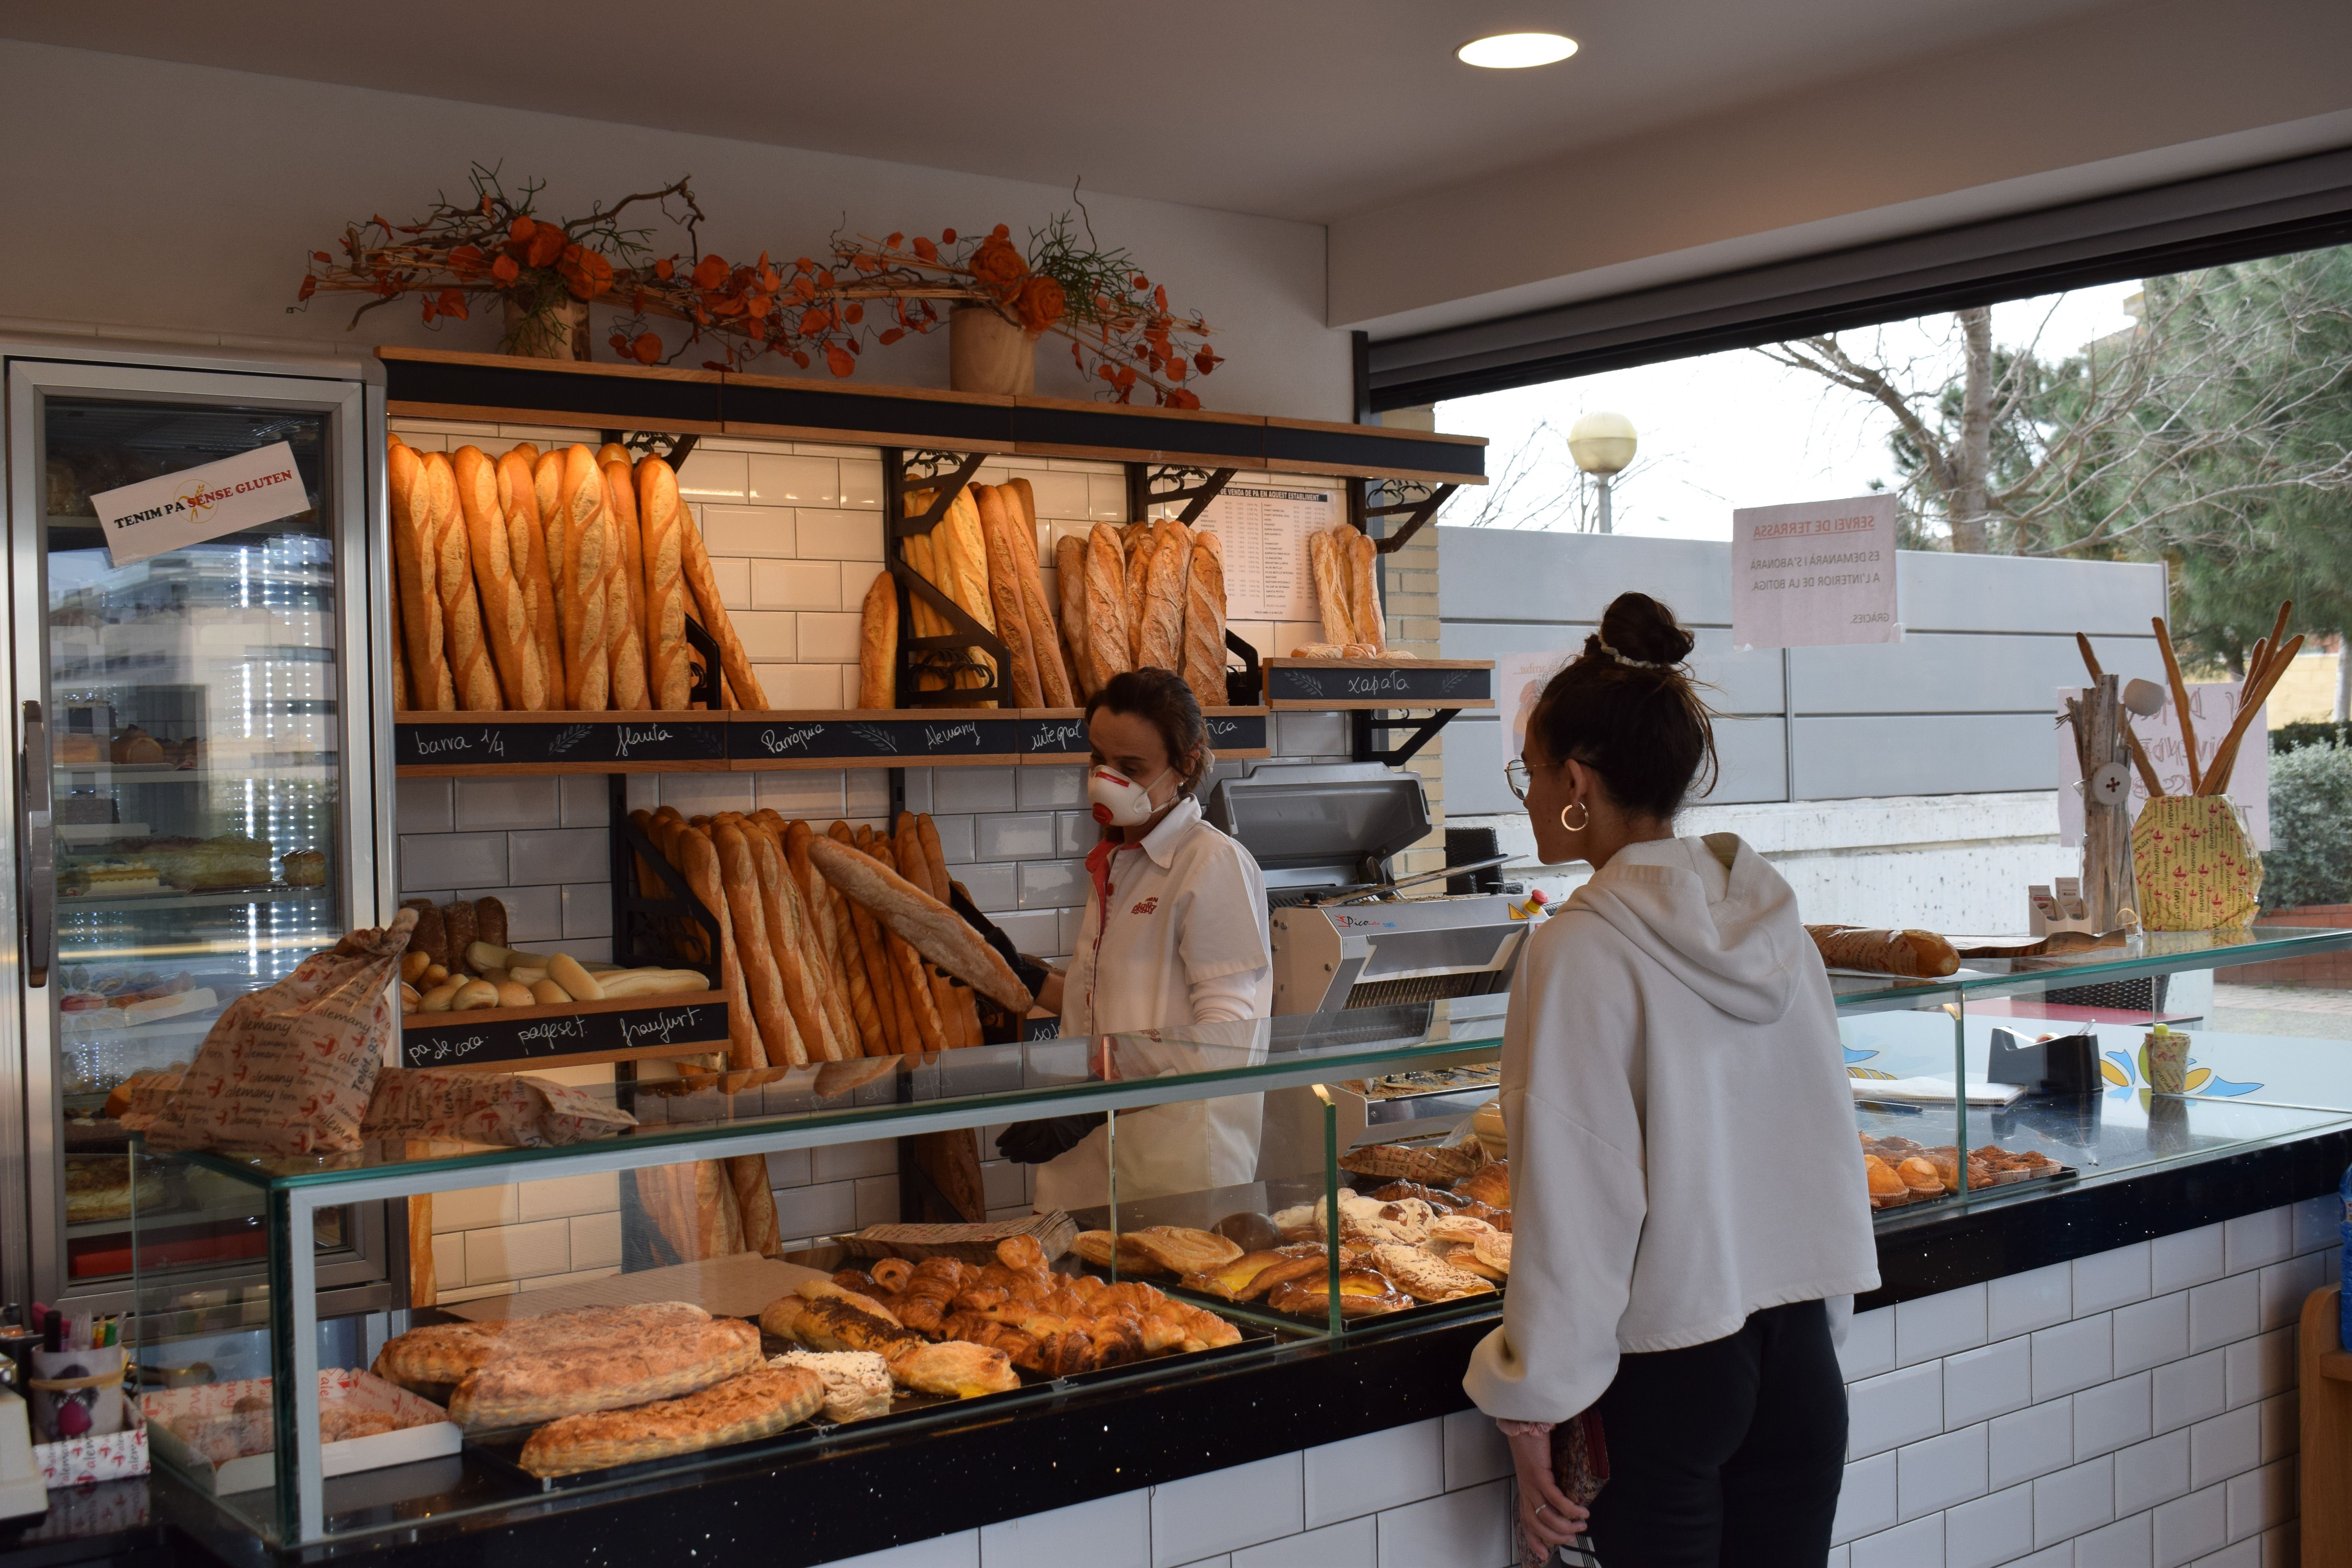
x: 2310, y: 858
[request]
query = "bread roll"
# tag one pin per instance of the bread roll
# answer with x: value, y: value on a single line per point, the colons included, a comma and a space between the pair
x: 878, y: 643
x: 583, y: 586
x: 1331, y: 596
x: 1053, y: 678
x: 1070, y: 583
x: 1364, y: 592
x: 526, y: 559
x: 470, y: 670
x: 780, y: 1033
x: 1110, y: 639
x: 1012, y: 622
x: 1161, y: 645
x: 505, y: 610
x: 936, y: 930
x: 414, y: 557
x: 661, y: 517
x: 626, y: 602
x: 732, y: 661
x: 1204, y: 621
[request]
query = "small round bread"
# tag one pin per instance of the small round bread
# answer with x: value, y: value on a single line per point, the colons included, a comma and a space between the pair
x: 1919, y: 1174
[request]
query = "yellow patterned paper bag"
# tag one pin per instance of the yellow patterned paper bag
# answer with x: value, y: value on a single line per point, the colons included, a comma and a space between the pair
x: 2197, y: 867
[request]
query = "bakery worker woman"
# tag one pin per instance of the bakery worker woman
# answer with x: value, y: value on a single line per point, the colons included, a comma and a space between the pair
x: 1689, y: 1214
x: 1175, y: 934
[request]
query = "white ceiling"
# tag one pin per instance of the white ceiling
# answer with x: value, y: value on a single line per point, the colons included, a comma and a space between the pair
x: 1296, y: 108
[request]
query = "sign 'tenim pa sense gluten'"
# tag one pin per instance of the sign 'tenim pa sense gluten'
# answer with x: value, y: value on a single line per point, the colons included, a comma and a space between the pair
x: 196, y: 504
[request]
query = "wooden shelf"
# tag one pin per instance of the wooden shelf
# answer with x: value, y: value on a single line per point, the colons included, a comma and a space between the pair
x: 506, y: 1040
x: 436, y: 385
x: 1327, y: 685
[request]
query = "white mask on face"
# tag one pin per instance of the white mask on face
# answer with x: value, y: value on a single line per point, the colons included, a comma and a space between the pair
x: 1118, y: 801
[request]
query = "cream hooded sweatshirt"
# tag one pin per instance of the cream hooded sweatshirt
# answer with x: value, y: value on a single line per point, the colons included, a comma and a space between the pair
x: 1683, y: 1149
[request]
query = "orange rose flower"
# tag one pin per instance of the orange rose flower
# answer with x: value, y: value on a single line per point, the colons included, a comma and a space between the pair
x: 1040, y: 303
x: 998, y: 266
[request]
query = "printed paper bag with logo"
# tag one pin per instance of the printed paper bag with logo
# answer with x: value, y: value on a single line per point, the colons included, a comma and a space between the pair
x: 288, y: 1070
x: 2197, y: 867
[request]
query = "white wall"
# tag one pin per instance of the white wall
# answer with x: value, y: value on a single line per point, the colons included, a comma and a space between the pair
x: 183, y: 198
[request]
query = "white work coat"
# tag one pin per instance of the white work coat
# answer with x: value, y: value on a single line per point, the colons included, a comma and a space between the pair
x: 1186, y: 905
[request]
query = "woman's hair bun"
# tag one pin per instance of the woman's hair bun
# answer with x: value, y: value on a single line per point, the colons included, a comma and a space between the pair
x: 1638, y: 626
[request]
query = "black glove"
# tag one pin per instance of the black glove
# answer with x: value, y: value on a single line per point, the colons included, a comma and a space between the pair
x: 1034, y: 1142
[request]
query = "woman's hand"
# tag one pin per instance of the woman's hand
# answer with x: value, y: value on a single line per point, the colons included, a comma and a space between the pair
x: 1547, y: 1518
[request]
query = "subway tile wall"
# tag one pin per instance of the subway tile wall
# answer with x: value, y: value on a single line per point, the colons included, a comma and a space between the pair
x: 1976, y: 1439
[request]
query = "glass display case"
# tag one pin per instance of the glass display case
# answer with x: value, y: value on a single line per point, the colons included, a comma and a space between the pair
x: 195, y: 816
x: 456, y: 1451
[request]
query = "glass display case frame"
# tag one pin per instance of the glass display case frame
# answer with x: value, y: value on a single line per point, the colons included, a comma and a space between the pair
x: 985, y: 1085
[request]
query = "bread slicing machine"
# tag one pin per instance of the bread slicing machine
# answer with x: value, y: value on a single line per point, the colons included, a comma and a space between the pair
x: 1344, y: 937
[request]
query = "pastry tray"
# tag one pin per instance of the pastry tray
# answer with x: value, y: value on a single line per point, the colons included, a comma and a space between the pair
x: 2000, y: 1179
x: 502, y: 1448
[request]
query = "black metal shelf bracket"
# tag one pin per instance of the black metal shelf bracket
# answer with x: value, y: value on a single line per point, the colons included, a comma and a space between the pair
x: 1157, y: 484
x: 1415, y: 501
x: 671, y: 449
x: 645, y: 926
x: 944, y: 475
x: 1364, y: 723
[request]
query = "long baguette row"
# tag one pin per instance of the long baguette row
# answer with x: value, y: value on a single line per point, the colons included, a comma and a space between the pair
x: 1151, y: 595
x: 836, y: 945
x: 535, y: 582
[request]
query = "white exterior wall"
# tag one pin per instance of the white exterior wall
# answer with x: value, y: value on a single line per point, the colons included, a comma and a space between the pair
x: 2132, y: 1409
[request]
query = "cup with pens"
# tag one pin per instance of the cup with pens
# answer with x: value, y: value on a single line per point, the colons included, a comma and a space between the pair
x: 77, y: 1376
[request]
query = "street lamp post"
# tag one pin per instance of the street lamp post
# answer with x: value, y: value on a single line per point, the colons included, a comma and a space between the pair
x: 1603, y: 443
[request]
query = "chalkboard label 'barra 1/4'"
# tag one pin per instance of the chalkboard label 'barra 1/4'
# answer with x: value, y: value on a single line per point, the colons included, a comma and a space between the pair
x: 601, y: 743
x: 823, y: 740
x: 532, y: 1034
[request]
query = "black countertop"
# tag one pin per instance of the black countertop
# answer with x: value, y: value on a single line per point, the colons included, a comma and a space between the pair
x: 999, y: 1463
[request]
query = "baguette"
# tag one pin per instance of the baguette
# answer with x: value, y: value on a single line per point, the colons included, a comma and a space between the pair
x: 695, y: 562
x: 907, y: 966
x: 1045, y: 641
x: 878, y: 643
x: 491, y: 921
x: 470, y: 670
x: 1142, y: 538
x: 582, y: 586
x: 401, y: 700
x: 661, y: 518
x: 1012, y: 622
x: 1330, y: 586
x: 967, y: 1000
x: 829, y: 969
x: 1918, y: 954
x: 1204, y: 621
x: 927, y: 621
x: 881, y: 948
x: 414, y: 558
x: 546, y: 494
x: 1109, y: 638
x: 626, y: 598
x: 1161, y: 645
x: 1070, y: 583
x: 878, y: 1024
x: 1364, y: 591
x: 960, y: 547
x: 907, y: 846
x: 695, y: 856
x: 463, y: 930
x: 790, y: 939
x: 527, y: 557
x: 506, y: 609
x: 930, y: 927
x: 738, y: 875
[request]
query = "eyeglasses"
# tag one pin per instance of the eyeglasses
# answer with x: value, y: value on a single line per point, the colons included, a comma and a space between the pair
x: 1515, y: 773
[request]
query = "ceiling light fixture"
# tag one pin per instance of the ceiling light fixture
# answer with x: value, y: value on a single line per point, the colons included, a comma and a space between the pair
x: 1516, y: 51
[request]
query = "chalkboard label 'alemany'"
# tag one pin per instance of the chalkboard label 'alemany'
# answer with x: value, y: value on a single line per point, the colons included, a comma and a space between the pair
x: 469, y: 1039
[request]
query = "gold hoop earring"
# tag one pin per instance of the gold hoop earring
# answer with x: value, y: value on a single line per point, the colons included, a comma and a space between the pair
x: 1584, y: 822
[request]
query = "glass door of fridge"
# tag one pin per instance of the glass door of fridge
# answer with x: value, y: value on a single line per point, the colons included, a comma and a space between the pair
x: 209, y: 805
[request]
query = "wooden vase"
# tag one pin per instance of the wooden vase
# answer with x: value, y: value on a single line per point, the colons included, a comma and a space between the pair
x: 988, y: 354
x: 555, y: 331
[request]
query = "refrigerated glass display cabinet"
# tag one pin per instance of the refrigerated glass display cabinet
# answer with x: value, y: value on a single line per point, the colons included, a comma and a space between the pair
x: 197, y: 796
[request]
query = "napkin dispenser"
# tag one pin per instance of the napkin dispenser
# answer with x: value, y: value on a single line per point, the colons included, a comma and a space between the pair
x: 2063, y: 1064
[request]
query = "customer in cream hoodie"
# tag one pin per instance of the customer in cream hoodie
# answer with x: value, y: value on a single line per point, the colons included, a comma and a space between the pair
x: 1690, y: 1217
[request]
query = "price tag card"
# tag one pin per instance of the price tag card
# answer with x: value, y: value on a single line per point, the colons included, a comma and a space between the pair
x: 1814, y: 575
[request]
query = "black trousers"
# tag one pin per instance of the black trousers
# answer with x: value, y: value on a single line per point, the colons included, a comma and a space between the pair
x: 1728, y: 1453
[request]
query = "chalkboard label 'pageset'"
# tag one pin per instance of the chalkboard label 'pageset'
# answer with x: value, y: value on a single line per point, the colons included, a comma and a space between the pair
x: 471, y: 1040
